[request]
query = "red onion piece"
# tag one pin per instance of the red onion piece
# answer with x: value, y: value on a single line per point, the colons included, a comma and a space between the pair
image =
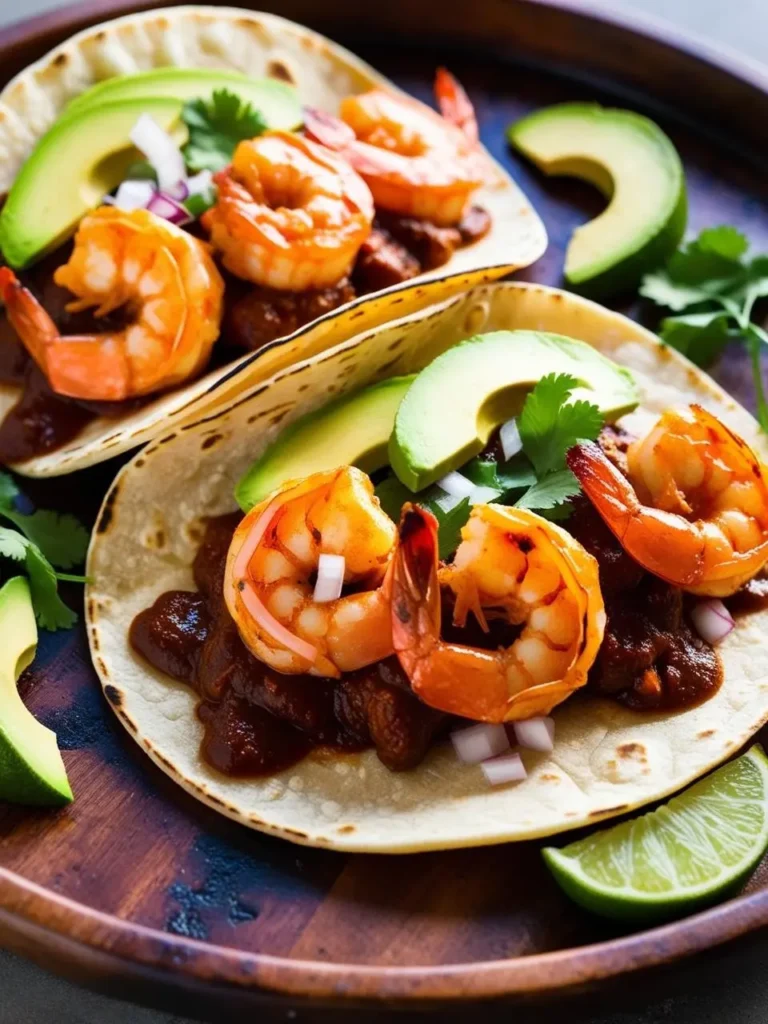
x: 501, y: 770
x: 712, y: 620
x: 509, y: 436
x: 536, y: 734
x: 161, y: 151
x: 164, y: 206
x: 478, y: 742
x: 330, y: 578
x: 179, y: 191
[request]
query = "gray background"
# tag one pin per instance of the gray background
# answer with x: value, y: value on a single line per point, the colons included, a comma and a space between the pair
x: 29, y: 996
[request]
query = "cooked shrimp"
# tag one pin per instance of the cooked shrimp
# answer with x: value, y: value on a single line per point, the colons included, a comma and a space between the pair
x: 416, y: 162
x: 695, y: 508
x: 511, y: 565
x: 272, y: 561
x: 164, y: 275
x: 290, y: 214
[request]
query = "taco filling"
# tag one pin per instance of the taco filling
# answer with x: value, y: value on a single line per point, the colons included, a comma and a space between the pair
x: 568, y: 557
x: 204, y: 252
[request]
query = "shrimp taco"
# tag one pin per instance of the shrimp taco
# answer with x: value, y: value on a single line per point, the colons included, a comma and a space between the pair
x: 490, y: 572
x: 186, y: 189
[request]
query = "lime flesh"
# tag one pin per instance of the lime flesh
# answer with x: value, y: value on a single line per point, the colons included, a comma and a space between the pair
x: 692, y: 851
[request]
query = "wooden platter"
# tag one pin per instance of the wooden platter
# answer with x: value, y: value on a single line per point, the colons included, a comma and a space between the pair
x: 138, y: 889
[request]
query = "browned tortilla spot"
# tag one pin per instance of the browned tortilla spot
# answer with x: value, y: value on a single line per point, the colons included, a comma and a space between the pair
x: 609, y: 810
x: 113, y: 695
x: 277, y: 69
x: 630, y: 750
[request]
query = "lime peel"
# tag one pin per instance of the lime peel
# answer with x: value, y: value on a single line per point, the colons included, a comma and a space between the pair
x: 688, y: 853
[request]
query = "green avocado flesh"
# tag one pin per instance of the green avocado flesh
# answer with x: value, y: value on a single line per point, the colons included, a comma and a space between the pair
x: 634, y: 164
x: 87, y: 152
x: 352, y: 431
x: 453, y: 405
x: 73, y: 167
x: 31, y: 768
x: 277, y: 101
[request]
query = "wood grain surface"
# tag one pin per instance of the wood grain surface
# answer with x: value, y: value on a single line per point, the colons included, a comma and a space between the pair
x: 135, y: 869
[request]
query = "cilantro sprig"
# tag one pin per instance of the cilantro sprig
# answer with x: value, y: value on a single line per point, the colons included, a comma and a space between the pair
x: 536, y: 479
x: 711, y: 286
x: 215, y: 128
x: 44, y: 542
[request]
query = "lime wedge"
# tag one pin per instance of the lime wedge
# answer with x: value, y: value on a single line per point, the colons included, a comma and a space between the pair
x: 692, y: 851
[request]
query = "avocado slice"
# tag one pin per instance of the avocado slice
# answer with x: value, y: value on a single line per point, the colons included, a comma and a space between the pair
x: 630, y: 159
x: 277, y: 101
x: 31, y: 768
x: 448, y: 413
x: 351, y: 431
x: 72, y: 168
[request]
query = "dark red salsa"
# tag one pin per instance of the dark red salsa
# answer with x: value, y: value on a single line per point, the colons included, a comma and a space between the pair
x: 258, y: 721
x: 398, y: 249
x: 650, y: 658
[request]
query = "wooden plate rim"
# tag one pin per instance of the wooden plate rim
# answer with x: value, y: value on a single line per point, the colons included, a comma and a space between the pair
x: 26, y: 908
x: 25, y: 903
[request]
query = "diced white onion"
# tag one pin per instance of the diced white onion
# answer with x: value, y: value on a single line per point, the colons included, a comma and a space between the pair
x: 712, y: 620
x: 509, y: 436
x: 501, y: 770
x: 133, y: 195
x: 456, y: 485
x: 199, y: 183
x: 536, y: 734
x: 448, y: 501
x: 330, y: 578
x: 160, y: 150
x: 478, y: 742
x: 481, y: 494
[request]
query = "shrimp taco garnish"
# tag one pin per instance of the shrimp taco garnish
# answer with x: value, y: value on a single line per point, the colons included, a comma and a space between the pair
x: 470, y: 600
x: 204, y: 216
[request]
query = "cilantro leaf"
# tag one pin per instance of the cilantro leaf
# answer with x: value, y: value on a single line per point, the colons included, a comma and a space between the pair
x: 50, y: 610
x: 12, y: 545
x: 660, y: 288
x: 515, y: 475
x: 551, y: 493
x: 714, y: 287
x: 700, y: 336
x: 725, y: 241
x: 45, y: 538
x: 393, y: 495
x: 756, y: 340
x: 548, y: 427
x: 449, y: 525
x: 215, y: 128
x: 62, y: 539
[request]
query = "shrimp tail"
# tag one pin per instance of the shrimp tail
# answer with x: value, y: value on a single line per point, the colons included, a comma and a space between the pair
x: 328, y: 130
x: 665, y: 544
x: 455, y: 105
x: 70, y: 364
x: 28, y: 318
x: 416, y: 616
